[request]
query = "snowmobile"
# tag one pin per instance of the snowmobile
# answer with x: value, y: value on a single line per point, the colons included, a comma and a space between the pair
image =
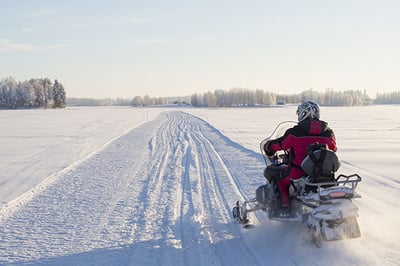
x: 320, y: 199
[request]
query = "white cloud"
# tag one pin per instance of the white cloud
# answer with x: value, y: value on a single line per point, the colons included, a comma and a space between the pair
x: 133, y: 20
x: 162, y: 40
x: 43, y: 12
x: 7, y: 46
x: 26, y: 30
x: 57, y: 46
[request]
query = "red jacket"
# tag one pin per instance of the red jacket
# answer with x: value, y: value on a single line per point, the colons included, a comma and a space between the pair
x: 296, y: 141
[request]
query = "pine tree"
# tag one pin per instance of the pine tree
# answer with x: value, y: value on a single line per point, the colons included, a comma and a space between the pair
x: 59, y: 95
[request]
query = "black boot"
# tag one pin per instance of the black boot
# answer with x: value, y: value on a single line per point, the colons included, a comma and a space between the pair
x: 285, y: 210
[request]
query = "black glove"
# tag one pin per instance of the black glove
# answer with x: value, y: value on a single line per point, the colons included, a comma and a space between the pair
x: 268, y: 152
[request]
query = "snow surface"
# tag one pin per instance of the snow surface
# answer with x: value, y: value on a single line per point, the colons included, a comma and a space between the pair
x: 155, y: 186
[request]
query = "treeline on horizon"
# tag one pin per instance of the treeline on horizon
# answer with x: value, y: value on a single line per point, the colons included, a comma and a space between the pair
x: 239, y: 97
x: 42, y: 93
x: 251, y: 98
x: 33, y: 93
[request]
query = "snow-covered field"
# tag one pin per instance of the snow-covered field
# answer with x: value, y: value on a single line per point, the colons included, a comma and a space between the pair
x: 153, y: 186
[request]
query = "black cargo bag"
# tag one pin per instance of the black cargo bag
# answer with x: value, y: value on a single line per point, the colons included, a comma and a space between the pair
x: 321, y: 163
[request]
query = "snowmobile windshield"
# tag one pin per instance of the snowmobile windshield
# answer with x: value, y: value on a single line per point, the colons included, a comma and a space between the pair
x: 278, y: 132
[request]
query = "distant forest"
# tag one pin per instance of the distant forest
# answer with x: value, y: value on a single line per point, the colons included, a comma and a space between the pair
x: 239, y: 97
x: 42, y: 93
x: 33, y: 93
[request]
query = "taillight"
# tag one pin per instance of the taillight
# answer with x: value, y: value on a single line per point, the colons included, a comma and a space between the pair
x: 337, y: 194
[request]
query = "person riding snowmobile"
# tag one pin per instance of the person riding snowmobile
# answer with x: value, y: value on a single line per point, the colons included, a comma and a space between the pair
x: 296, y: 140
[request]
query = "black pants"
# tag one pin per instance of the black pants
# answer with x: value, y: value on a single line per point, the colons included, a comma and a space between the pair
x: 273, y: 173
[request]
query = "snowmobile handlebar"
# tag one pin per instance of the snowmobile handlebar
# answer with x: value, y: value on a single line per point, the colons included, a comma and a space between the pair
x: 277, y: 132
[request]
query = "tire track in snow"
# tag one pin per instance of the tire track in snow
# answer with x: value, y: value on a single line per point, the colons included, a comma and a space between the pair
x: 159, y: 195
x: 215, y: 201
x: 194, y: 216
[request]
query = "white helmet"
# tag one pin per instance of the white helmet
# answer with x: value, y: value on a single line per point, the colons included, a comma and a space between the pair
x: 308, y: 109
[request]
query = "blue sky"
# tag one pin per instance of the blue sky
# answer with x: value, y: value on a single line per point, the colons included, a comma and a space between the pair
x: 173, y: 48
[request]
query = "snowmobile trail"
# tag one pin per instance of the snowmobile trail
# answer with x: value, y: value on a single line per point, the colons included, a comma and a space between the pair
x: 159, y: 195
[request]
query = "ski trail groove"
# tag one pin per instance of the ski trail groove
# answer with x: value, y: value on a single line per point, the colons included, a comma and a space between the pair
x: 159, y: 195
